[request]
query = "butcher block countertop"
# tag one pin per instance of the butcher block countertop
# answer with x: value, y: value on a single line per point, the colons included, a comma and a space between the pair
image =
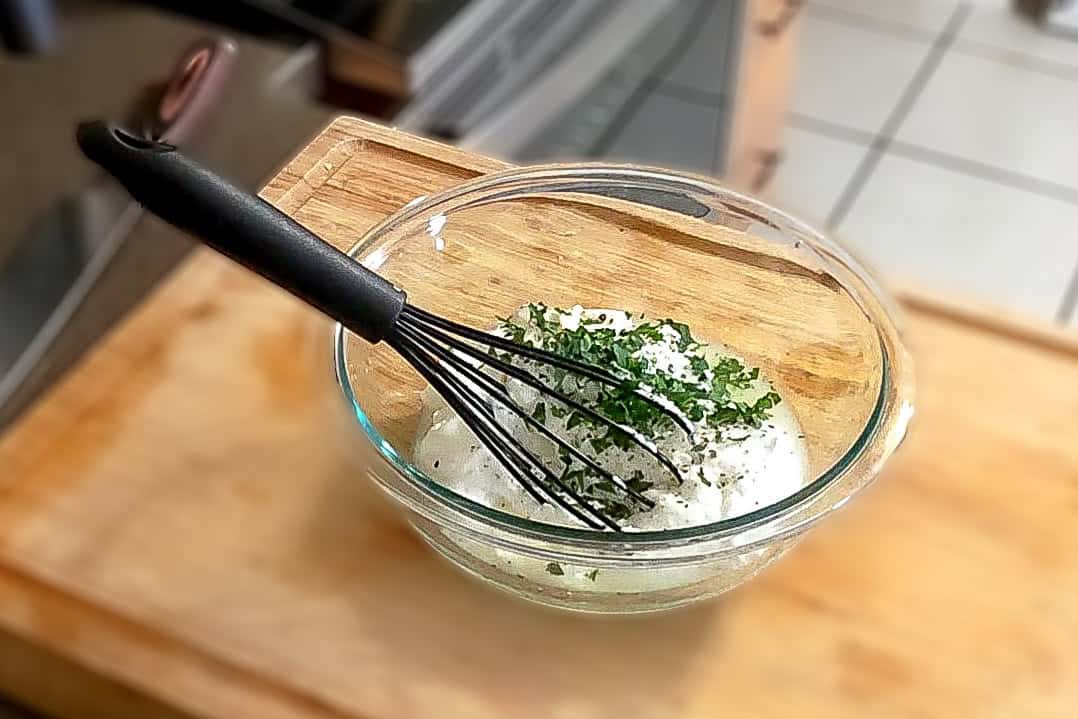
x: 182, y: 535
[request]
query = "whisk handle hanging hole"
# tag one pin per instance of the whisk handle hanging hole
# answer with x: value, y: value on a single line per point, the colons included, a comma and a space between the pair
x: 245, y: 228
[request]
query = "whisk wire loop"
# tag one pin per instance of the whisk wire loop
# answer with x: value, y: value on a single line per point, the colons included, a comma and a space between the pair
x: 453, y: 359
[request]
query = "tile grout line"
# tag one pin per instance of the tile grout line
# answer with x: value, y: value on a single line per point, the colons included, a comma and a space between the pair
x: 686, y: 37
x: 830, y: 129
x: 898, y: 115
x: 938, y: 158
x: 865, y: 21
x: 1070, y: 299
x: 918, y: 153
x: 1020, y: 60
x: 981, y: 171
x: 965, y: 46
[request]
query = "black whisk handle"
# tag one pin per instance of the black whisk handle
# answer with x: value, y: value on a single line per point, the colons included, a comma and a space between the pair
x: 245, y: 228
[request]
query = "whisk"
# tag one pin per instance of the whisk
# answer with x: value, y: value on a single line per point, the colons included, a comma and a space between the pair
x: 461, y: 363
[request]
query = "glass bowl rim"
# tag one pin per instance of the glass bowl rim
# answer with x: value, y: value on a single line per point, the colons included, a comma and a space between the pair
x: 515, y: 524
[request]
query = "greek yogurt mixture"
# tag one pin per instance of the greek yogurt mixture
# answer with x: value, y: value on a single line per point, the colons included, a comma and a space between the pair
x: 745, y: 450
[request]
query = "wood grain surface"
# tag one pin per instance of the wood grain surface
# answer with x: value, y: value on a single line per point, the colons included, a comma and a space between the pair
x: 180, y: 529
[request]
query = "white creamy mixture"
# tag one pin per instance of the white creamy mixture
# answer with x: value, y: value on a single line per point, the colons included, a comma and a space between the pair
x: 725, y: 472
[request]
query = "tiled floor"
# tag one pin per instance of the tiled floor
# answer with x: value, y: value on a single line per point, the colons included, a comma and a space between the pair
x: 936, y: 138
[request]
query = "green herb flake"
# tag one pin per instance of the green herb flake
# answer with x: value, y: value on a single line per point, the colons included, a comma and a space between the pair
x: 592, y: 574
x: 555, y: 569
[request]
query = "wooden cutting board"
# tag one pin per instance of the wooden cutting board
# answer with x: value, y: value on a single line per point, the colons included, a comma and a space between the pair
x: 181, y: 534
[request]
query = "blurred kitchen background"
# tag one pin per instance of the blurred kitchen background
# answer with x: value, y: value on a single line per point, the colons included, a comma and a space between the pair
x: 936, y: 138
x: 933, y: 137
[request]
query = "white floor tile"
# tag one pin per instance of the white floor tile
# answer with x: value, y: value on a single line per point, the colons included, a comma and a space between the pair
x: 966, y: 236
x: 924, y: 15
x: 813, y: 173
x: 998, y: 114
x: 668, y: 132
x: 1002, y: 28
x: 852, y: 76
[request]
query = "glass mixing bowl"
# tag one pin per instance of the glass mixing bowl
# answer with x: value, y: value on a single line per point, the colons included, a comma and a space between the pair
x: 739, y: 272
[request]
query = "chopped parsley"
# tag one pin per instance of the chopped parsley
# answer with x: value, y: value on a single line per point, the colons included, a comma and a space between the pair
x: 717, y: 392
